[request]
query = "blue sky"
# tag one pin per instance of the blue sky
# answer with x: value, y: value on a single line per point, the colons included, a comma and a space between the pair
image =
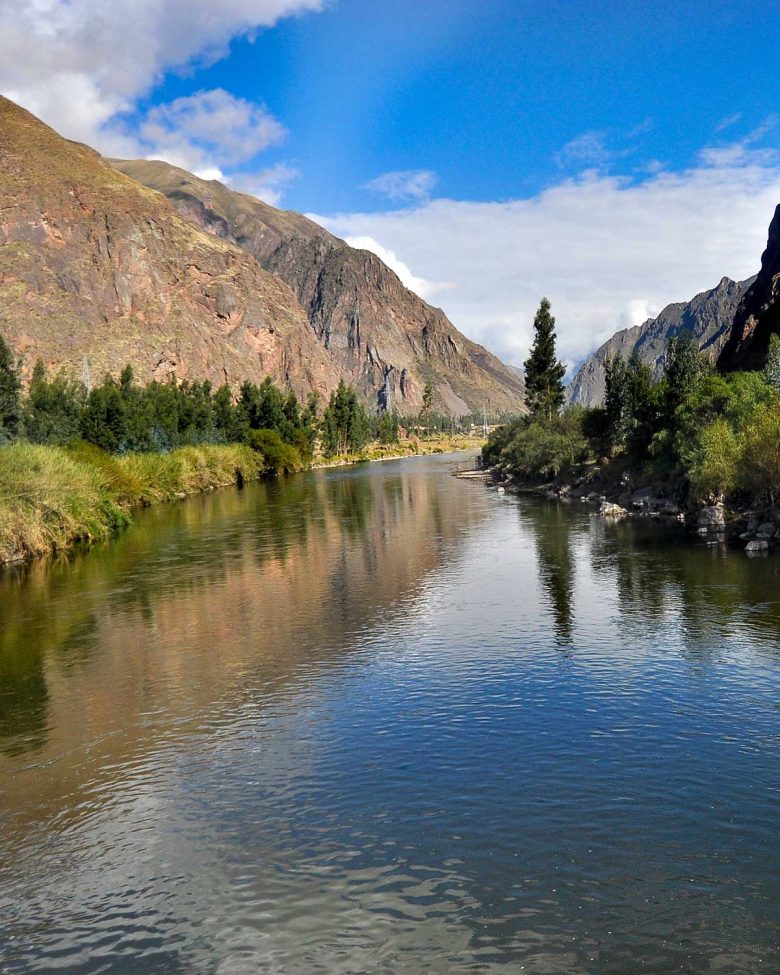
x: 487, y: 94
x: 614, y: 155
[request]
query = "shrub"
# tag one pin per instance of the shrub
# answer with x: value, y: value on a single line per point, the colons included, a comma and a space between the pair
x: 716, y: 460
x: 541, y: 449
x: 759, y: 462
x: 278, y: 457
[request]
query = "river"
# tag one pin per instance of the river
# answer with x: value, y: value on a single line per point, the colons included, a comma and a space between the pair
x: 381, y: 720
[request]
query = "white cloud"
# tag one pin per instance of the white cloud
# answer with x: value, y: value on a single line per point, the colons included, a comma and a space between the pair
x: 267, y: 185
x: 79, y: 64
x: 726, y: 123
x: 588, y: 149
x: 209, y: 128
x: 405, y: 184
x: 597, y: 149
x: 742, y: 152
x: 607, y: 252
x: 425, y: 289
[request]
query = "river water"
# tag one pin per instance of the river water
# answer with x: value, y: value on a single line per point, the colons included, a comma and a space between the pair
x: 381, y: 720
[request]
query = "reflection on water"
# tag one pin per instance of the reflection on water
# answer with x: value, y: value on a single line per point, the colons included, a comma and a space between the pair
x: 383, y: 720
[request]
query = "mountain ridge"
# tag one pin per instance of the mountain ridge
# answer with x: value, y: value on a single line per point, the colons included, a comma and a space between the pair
x: 95, y: 265
x: 758, y: 316
x: 707, y: 317
x: 383, y: 337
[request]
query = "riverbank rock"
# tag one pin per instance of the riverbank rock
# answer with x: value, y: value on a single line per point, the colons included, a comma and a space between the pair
x: 756, y: 546
x: 610, y: 510
x: 711, y: 518
x: 766, y: 531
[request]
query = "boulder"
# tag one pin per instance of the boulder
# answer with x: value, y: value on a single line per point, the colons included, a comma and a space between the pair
x: 712, y: 518
x: 757, y: 545
x: 766, y: 530
x: 610, y: 510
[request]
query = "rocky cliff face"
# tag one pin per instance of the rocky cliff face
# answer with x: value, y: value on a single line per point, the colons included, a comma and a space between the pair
x: 758, y: 315
x: 708, y: 318
x: 93, y: 264
x: 378, y: 334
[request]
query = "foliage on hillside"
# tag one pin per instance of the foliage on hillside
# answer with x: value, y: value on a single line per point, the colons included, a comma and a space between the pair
x: 707, y: 435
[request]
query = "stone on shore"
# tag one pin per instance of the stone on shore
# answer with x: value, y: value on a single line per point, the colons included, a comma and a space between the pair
x: 610, y: 510
x: 711, y: 518
x: 757, y: 545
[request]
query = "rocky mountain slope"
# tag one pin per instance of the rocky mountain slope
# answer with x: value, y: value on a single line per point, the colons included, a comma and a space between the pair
x: 209, y: 284
x: 758, y: 315
x: 379, y: 335
x: 94, y: 264
x: 708, y: 317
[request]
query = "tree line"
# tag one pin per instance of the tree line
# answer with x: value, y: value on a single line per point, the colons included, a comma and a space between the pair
x: 121, y: 416
x: 699, y: 432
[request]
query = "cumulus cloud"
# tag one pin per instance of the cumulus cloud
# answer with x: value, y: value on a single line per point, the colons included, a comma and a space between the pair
x: 404, y: 184
x: 209, y: 128
x: 82, y: 66
x: 425, y: 289
x: 607, y: 252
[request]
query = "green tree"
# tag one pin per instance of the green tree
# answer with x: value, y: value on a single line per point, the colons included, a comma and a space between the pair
x: 345, y: 425
x: 103, y: 421
x: 10, y: 392
x: 543, y: 372
x: 615, y: 401
x: 387, y: 427
x: 228, y: 419
x: 310, y: 421
x: 640, y: 411
x: 772, y: 367
x: 52, y: 411
x: 427, y: 406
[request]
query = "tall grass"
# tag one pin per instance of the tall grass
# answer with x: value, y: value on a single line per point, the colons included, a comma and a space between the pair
x: 53, y: 497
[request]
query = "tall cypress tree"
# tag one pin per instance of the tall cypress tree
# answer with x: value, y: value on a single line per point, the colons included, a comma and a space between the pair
x: 543, y: 372
x: 10, y: 402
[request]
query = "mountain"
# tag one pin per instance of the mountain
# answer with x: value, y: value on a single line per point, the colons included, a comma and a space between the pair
x: 708, y: 317
x: 380, y: 336
x: 758, y: 315
x: 94, y: 265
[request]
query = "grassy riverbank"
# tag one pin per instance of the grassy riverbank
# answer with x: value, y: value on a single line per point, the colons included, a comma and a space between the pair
x: 52, y: 498
x: 407, y: 448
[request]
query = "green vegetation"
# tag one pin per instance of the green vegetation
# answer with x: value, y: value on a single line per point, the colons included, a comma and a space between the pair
x: 75, y: 462
x: 52, y: 497
x: 10, y: 400
x: 345, y: 425
x: 694, y: 433
x: 543, y: 372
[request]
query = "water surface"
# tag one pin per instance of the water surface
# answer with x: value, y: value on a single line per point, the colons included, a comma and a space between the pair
x: 383, y: 720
